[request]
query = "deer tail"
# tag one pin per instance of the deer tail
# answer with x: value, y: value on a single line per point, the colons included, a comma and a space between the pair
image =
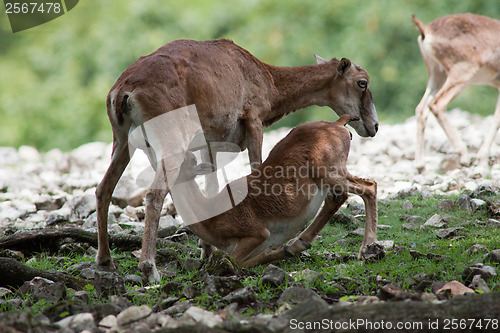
x: 422, y: 28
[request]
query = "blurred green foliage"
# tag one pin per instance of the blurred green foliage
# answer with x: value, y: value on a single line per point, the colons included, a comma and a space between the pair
x: 54, y: 78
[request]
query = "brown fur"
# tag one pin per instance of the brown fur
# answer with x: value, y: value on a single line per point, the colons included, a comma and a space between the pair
x: 235, y: 94
x: 318, y: 151
x: 458, y: 50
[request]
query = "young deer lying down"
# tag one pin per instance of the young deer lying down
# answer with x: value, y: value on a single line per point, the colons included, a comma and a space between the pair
x: 305, y: 169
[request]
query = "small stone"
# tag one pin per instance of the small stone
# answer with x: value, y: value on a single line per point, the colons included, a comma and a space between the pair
x: 133, y: 314
x: 464, y: 202
x: 357, y: 232
x: 486, y: 272
x: 392, y: 291
x: 40, y: 288
x: 477, y: 204
x: 220, y: 264
x: 478, y: 283
x: 310, y: 277
x: 407, y: 205
x: 452, y: 289
x: 221, y: 285
x: 275, y: 276
x: 386, y: 244
x: 484, y: 190
x: 79, y: 322
x: 476, y: 248
x: 344, y: 219
x: 203, y: 317
x: 447, y: 233
x: 297, y: 295
x: 108, y: 322
x: 108, y: 283
x: 373, y: 252
x: 435, y: 221
x: 493, y: 256
x: 243, y: 296
x: 414, y: 219
x: 446, y: 205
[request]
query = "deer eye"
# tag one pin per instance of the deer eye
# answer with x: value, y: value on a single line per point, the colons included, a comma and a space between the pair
x: 362, y: 84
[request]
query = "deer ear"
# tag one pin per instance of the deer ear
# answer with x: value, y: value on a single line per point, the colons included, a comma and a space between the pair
x: 344, y: 66
x: 320, y: 60
x: 203, y: 169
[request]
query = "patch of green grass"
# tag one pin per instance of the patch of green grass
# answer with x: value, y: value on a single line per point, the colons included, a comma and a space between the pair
x: 355, y: 277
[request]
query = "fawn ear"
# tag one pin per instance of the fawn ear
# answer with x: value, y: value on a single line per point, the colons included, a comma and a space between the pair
x: 344, y: 66
x: 320, y: 60
x: 203, y: 169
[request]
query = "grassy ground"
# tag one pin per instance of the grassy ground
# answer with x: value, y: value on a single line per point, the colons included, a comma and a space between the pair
x: 332, y: 256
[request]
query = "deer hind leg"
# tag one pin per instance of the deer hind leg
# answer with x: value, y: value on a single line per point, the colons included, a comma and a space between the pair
x: 304, y: 240
x: 119, y: 161
x: 454, y: 85
x: 483, y: 152
x: 154, y: 203
x: 437, y: 77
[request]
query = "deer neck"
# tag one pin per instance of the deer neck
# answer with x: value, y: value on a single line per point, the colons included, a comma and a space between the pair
x: 300, y: 87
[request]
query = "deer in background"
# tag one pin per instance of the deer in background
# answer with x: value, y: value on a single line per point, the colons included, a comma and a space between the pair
x: 236, y: 96
x: 458, y: 50
x: 304, y: 170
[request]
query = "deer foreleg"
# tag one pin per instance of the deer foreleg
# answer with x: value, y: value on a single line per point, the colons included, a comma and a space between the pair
x: 483, y: 152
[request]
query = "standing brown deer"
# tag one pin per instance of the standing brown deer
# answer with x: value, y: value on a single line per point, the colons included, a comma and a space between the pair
x: 235, y: 95
x: 458, y: 50
x: 304, y: 170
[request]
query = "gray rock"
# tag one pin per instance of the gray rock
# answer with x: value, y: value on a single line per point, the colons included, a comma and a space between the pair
x: 243, y: 296
x: 448, y: 232
x: 133, y: 279
x: 221, y: 285
x: 407, y: 205
x: 81, y: 207
x: 108, y: 283
x: 493, y: 256
x: 414, y: 219
x: 310, y: 277
x: 476, y: 248
x: 220, y: 264
x: 275, y: 276
x: 15, y: 209
x: 357, y: 232
x: 446, y: 205
x: 40, y: 288
x: 464, y: 202
x: 5, y: 292
x: 202, y: 317
x: 478, y: 283
x: 435, y: 221
x: 484, y: 190
x: 79, y: 322
x: 477, y: 204
x: 344, y: 219
x: 133, y: 314
x: 373, y: 252
x: 297, y: 295
x: 486, y: 272
x: 81, y: 296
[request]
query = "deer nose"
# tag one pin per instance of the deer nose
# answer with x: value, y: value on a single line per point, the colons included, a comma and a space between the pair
x: 376, y: 127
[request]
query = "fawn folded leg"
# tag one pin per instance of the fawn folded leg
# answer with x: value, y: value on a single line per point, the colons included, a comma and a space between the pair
x: 304, y: 240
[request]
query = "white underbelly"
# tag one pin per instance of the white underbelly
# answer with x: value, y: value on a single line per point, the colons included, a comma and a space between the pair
x: 281, y: 231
